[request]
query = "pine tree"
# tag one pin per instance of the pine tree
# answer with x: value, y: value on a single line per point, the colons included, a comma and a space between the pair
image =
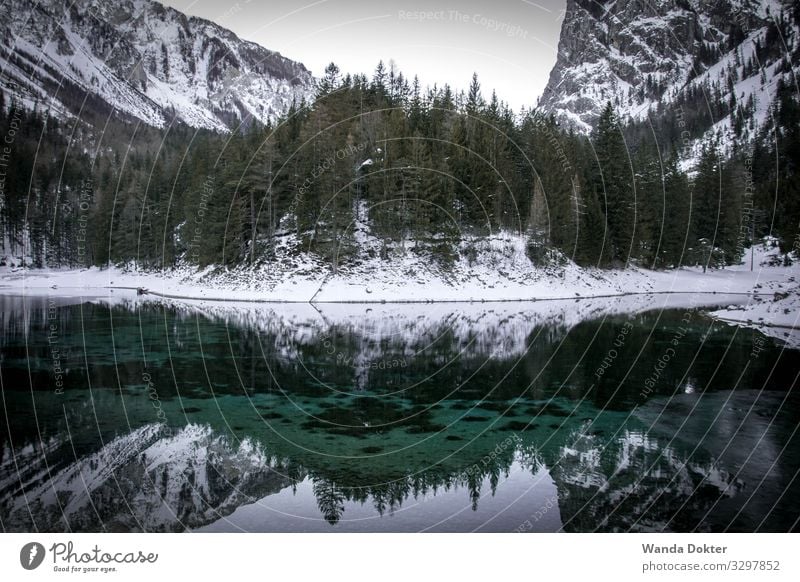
x: 612, y: 185
x: 676, y: 235
x: 706, y: 207
x: 785, y: 179
x: 593, y: 246
x: 649, y: 205
x: 552, y: 157
x: 538, y: 224
x: 330, y: 80
x: 475, y: 102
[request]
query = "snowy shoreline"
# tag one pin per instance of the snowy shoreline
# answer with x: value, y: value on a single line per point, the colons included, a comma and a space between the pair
x: 569, y: 283
x: 499, y: 270
x: 431, y: 301
x: 767, y: 298
x: 143, y: 291
x: 612, y: 284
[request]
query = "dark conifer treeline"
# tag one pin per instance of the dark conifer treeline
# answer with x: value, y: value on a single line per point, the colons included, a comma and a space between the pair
x: 425, y: 169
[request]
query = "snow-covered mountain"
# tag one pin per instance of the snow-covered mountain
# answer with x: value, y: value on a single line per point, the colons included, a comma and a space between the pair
x: 713, y: 67
x: 143, y: 60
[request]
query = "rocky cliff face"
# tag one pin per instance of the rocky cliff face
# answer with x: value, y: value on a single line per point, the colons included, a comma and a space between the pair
x: 649, y: 56
x: 143, y: 61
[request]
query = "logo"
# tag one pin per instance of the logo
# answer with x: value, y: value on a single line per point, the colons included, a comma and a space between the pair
x: 31, y: 555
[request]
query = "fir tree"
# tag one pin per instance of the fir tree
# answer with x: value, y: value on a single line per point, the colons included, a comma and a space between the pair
x: 612, y: 185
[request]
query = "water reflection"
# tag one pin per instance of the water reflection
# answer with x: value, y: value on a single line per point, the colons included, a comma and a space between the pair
x: 397, y: 418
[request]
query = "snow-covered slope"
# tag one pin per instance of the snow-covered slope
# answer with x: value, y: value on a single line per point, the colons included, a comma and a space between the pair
x: 500, y: 273
x: 143, y: 60
x: 702, y: 63
x: 491, y: 269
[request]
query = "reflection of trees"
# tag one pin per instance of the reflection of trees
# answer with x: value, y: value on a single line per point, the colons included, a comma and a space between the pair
x: 387, y: 495
x: 156, y: 479
x: 709, y: 355
x: 160, y: 481
x: 330, y: 500
x: 604, y: 481
x: 303, y: 355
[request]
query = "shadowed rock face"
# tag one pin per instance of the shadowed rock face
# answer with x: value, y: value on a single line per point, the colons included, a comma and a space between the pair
x: 642, y: 55
x: 143, y: 61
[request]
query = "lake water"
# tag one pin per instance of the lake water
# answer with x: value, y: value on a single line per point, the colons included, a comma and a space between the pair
x: 594, y: 415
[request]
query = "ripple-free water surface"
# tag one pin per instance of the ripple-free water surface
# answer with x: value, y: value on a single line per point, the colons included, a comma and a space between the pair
x: 368, y: 418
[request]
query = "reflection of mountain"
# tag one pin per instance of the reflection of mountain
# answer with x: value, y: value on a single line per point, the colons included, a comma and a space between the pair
x: 485, y: 398
x: 636, y: 484
x: 697, y: 462
x: 161, y: 479
x: 147, y: 480
x: 609, y: 475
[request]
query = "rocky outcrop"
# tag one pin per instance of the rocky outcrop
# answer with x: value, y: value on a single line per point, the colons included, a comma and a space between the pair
x: 643, y: 56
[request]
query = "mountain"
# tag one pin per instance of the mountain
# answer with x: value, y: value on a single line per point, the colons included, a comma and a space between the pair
x: 488, y: 199
x: 712, y: 67
x: 142, y: 60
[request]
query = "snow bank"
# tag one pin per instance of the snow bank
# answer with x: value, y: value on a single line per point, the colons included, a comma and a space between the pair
x: 496, y: 269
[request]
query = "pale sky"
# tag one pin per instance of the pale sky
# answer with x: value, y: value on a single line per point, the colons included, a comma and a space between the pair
x: 511, y: 44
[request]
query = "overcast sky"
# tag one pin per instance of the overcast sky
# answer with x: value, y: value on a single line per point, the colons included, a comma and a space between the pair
x: 511, y: 44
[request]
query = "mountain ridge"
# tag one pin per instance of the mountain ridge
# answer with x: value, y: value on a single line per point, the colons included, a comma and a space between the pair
x: 650, y: 59
x: 146, y: 61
